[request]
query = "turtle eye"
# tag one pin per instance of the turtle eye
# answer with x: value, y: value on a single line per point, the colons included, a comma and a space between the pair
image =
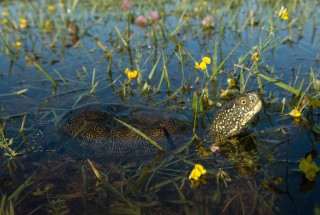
x: 243, y: 101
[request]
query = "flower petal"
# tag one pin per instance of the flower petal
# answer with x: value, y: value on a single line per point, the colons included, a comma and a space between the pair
x: 283, y: 13
x: 206, y: 60
x: 201, y: 169
x: 255, y: 56
x: 195, y: 174
x: 197, y: 66
x: 295, y: 113
x: 203, y: 65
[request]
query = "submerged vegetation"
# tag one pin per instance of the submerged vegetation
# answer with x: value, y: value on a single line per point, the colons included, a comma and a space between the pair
x: 186, y: 56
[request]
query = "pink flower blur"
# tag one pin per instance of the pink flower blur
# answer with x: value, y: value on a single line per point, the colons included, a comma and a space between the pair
x: 208, y: 21
x: 141, y: 21
x: 214, y: 148
x: 126, y: 5
x: 154, y: 16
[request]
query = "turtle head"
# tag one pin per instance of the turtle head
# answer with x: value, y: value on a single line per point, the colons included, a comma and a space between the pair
x: 236, y: 115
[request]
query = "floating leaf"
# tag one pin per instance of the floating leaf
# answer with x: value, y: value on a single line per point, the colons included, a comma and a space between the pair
x: 315, y: 104
x: 309, y: 168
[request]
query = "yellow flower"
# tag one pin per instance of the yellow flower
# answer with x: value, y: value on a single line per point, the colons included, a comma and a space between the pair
x: 23, y: 23
x: 131, y: 74
x: 186, y: 17
x: 206, y: 60
x: 231, y: 82
x: 295, y: 113
x: 203, y: 152
x: 197, y: 66
x: 5, y: 13
x: 28, y: 59
x: 201, y: 66
x: 17, y: 44
x: 195, y: 183
x: 277, y: 180
x: 309, y: 168
x: 48, y: 25
x: 255, y: 56
x: 51, y: 8
x: 283, y: 13
x: 197, y: 172
x: 61, y: 5
x: 4, y: 22
x: 224, y: 93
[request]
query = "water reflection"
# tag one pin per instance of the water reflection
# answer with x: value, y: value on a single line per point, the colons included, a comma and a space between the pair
x: 73, y: 32
x: 165, y: 57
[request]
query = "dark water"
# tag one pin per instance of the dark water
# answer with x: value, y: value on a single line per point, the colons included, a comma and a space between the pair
x: 280, y: 142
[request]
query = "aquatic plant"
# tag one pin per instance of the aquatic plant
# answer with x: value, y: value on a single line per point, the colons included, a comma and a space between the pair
x: 74, y: 52
x: 309, y: 168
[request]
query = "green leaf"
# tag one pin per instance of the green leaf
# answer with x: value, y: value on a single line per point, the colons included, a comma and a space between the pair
x: 280, y: 84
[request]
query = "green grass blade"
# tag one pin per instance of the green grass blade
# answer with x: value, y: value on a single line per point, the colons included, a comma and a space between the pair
x: 60, y: 76
x: 100, y: 44
x: 108, y: 185
x: 11, y: 208
x: 19, y: 92
x: 23, y: 122
x: 145, y: 87
x: 140, y: 133
x: 166, y: 182
x: 2, y: 204
x: 182, y: 197
x: 179, y: 24
x: 215, y: 72
x: 280, y: 84
x: 165, y: 72
x: 195, y: 110
x: 49, y: 77
x: 121, y: 37
x: 93, y: 85
x: 15, y: 195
